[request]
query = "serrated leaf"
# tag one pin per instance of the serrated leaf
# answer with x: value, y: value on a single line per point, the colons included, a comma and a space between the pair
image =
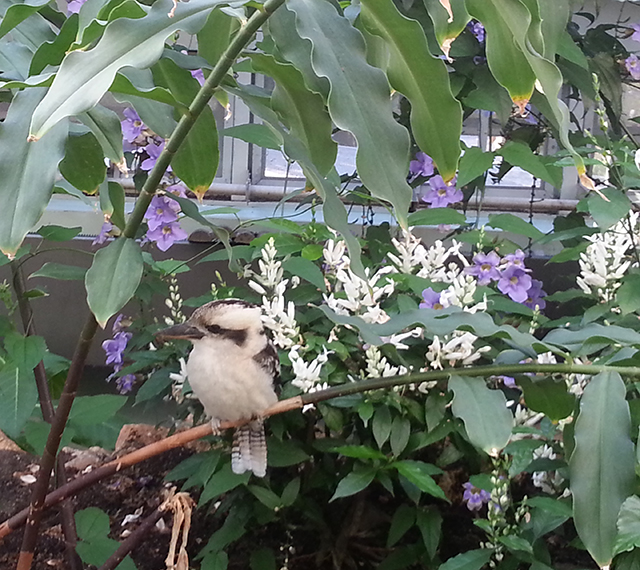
x: 436, y: 116
x: 484, y: 412
x: 353, y: 483
x: 92, y: 523
x: 85, y: 76
x: 27, y: 170
x: 358, y: 101
x: 519, y: 154
x: 113, y: 278
x: 25, y: 351
x: 608, y: 212
x: 514, y: 224
x: 602, y: 465
x: 222, y: 481
x: 419, y: 474
x: 60, y: 271
x: 18, y: 398
x: 474, y: 163
x: 436, y: 217
x: 89, y: 410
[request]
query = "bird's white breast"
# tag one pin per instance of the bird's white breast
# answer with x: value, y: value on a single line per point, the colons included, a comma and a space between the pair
x: 227, y: 380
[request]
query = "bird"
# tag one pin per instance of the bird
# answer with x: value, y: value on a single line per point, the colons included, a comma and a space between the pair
x: 233, y: 369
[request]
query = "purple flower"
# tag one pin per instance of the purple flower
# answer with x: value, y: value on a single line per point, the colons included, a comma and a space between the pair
x: 161, y: 211
x: 178, y: 189
x: 441, y: 195
x: 73, y: 7
x: 153, y: 151
x: 198, y: 75
x: 635, y: 36
x: 132, y: 126
x: 485, y: 268
x: 422, y: 165
x: 125, y: 383
x: 431, y: 299
x: 516, y: 258
x: 508, y: 381
x: 477, y: 29
x: 104, y: 233
x: 515, y: 282
x: 535, y: 295
x: 475, y: 498
x: 632, y: 63
x: 114, y: 348
x: 165, y: 236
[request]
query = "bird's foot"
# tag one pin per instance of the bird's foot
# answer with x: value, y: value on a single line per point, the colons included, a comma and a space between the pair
x: 215, y: 426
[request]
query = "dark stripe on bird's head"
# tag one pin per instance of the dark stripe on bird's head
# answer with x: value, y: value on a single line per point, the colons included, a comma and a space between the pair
x: 239, y: 336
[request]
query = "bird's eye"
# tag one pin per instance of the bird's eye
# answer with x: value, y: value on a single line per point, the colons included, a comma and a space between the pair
x: 214, y: 329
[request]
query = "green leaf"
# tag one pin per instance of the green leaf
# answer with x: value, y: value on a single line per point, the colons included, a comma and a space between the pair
x: 573, y: 340
x: 284, y: 453
x: 83, y: 163
x: 85, y: 76
x: 602, y: 464
x: 436, y: 116
x: 474, y: 163
x: 429, y: 522
x: 290, y: 492
x: 381, y: 425
x: 25, y: 351
x: 196, y: 161
x: 484, y: 412
x: 359, y: 452
x: 19, y: 12
x: 266, y: 496
x: 547, y: 396
x: 105, y: 126
x: 60, y: 271
x: 302, y: 111
x: 519, y: 154
x: 629, y: 560
x: 88, y: 410
x: 59, y: 233
x: 18, y: 397
x: 400, y: 432
x: 263, y: 559
x: 92, y: 523
x: 113, y: 278
x: 215, y: 35
x: 403, y: 519
x: 628, y: 525
x: 516, y: 543
x: 471, y: 560
x: 358, y: 101
x: 436, y: 216
x: 306, y: 270
x: 628, y: 294
x: 27, y: 170
x: 608, y: 212
x: 353, y: 483
x: 514, y: 224
x: 221, y: 482
x: 420, y: 474
x: 260, y: 135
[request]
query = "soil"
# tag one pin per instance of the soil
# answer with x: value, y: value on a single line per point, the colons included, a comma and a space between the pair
x: 142, y: 487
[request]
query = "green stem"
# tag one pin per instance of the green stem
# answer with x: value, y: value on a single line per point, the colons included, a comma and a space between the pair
x: 201, y: 100
x: 482, y: 371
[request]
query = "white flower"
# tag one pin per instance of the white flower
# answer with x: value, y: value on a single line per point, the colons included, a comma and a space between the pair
x: 548, y: 481
x: 307, y: 373
x: 379, y: 367
x: 457, y: 348
x: 334, y: 254
x: 178, y: 379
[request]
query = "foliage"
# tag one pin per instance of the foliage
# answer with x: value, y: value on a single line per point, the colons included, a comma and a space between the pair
x: 515, y: 455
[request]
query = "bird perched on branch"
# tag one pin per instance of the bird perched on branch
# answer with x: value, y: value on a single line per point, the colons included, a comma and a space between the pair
x: 232, y: 370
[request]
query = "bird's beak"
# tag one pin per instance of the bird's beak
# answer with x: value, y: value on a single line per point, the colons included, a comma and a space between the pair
x: 183, y: 331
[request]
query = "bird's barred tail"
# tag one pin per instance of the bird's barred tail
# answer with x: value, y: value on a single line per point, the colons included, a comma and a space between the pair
x: 249, y: 451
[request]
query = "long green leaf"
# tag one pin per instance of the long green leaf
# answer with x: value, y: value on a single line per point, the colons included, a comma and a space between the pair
x: 18, y: 397
x: 113, y: 278
x: 602, y: 464
x: 105, y: 125
x: 484, y: 412
x: 85, y: 76
x: 436, y: 115
x: 359, y: 101
x: 27, y: 170
x: 301, y: 110
x: 19, y: 12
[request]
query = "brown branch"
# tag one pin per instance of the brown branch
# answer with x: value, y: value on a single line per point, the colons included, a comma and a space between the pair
x: 36, y: 508
x: 48, y: 413
x: 135, y: 538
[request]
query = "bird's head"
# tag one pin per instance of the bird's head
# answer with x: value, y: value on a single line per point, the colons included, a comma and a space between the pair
x: 232, y: 319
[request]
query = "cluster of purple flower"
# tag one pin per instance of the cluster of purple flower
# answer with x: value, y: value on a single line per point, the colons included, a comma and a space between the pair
x: 477, y: 29
x: 511, y: 275
x: 162, y: 220
x: 440, y: 194
x: 475, y: 498
x: 139, y: 139
x: 114, y: 349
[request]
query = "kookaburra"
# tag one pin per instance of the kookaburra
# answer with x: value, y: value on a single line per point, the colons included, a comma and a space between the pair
x: 232, y: 370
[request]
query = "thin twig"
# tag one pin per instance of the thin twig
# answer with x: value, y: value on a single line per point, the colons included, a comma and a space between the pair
x: 182, y: 438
